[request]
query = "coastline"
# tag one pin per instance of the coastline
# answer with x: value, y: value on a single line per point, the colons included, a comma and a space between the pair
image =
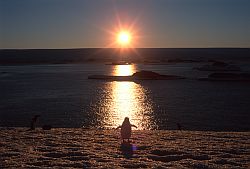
x: 82, y: 148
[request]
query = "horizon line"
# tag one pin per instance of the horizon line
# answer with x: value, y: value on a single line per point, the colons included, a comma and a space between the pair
x: 127, y: 48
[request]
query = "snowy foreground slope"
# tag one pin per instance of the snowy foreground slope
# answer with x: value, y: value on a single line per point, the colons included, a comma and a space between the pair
x: 82, y: 148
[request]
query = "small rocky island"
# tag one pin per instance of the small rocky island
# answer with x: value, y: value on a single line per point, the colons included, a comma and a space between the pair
x: 119, y: 63
x: 218, y: 66
x: 227, y: 77
x: 141, y: 75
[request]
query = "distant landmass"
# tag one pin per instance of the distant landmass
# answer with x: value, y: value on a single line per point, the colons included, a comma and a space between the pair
x: 142, y: 55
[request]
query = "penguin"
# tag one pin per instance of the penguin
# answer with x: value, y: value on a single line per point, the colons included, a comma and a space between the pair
x: 179, y: 126
x: 46, y: 127
x: 33, y: 122
x: 126, y: 129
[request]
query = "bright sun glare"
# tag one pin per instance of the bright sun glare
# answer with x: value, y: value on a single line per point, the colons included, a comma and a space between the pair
x: 124, y: 38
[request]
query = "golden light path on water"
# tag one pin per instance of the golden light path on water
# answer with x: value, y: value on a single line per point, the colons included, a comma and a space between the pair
x: 127, y: 99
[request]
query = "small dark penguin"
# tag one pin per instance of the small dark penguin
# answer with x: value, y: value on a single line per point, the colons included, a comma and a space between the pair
x: 126, y: 128
x: 33, y: 122
x: 46, y: 127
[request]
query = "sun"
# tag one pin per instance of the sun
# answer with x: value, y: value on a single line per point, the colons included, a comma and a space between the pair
x: 124, y: 38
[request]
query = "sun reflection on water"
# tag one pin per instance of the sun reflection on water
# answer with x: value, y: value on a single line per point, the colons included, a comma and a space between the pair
x: 123, y: 70
x: 126, y: 99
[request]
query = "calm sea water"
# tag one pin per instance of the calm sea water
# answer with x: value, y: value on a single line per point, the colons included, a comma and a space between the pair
x: 64, y: 97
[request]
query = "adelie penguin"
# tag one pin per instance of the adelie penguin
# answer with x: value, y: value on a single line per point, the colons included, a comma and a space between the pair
x: 126, y: 129
x: 33, y: 122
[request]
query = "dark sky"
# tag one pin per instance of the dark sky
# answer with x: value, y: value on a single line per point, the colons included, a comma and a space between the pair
x: 155, y: 23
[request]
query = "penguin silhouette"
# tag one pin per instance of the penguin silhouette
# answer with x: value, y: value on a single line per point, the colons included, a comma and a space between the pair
x: 179, y: 126
x: 33, y: 122
x: 126, y: 128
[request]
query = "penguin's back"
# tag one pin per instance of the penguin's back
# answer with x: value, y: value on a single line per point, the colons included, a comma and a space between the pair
x: 126, y: 131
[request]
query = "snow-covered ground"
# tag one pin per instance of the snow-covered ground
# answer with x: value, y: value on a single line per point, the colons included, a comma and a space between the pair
x: 82, y: 148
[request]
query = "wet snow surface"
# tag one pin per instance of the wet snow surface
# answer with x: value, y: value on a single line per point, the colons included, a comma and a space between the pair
x: 81, y: 148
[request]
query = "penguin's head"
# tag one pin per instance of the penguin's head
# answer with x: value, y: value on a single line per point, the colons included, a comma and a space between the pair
x: 126, y: 119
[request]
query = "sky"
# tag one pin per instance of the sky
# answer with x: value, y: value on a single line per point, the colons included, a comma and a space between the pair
x: 29, y: 24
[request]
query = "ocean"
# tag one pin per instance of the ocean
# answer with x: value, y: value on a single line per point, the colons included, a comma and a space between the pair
x: 63, y: 96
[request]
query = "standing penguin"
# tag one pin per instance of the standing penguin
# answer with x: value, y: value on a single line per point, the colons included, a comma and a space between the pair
x: 33, y: 122
x: 126, y: 129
